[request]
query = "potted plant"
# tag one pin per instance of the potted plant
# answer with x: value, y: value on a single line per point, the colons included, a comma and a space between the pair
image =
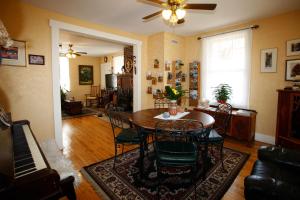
x: 173, y: 94
x: 222, y: 93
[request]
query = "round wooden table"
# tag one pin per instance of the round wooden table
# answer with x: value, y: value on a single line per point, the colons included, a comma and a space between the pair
x: 145, y: 118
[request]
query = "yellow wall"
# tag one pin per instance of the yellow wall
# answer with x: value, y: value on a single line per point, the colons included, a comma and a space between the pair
x: 273, y: 33
x: 78, y: 91
x: 27, y: 91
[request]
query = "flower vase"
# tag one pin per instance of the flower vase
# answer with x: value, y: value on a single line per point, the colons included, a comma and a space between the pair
x: 173, y: 107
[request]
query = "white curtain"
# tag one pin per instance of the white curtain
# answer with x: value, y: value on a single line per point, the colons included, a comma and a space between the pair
x: 64, y: 73
x: 226, y: 59
x: 118, y: 63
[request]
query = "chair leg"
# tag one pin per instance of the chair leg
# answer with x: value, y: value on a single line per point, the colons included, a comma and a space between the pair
x: 221, y: 154
x: 116, y: 151
x: 194, y: 181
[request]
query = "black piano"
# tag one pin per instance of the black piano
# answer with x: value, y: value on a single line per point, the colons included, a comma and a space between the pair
x: 24, y: 170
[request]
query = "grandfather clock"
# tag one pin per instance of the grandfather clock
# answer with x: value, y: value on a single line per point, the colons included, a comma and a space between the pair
x: 288, y: 119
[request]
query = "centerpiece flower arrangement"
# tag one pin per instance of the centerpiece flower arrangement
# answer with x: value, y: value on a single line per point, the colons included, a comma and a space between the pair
x: 173, y: 94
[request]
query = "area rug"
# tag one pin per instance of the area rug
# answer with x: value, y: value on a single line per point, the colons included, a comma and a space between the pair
x: 125, y: 183
x: 85, y: 112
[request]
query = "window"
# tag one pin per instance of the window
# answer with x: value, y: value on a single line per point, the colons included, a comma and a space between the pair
x: 226, y: 59
x: 64, y: 73
x: 118, y: 63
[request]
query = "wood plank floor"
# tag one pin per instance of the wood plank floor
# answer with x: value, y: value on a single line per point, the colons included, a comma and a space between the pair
x: 88, y: 140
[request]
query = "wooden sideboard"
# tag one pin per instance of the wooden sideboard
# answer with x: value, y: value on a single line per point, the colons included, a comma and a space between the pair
x: 241, y: 126
x: 288, y: 119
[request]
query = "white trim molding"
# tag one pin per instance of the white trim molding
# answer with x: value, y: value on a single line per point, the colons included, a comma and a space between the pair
x: 264, y: 138
x: 57, y: 26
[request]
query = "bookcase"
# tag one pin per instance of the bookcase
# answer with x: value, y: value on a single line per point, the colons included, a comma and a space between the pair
x: 194, y: 83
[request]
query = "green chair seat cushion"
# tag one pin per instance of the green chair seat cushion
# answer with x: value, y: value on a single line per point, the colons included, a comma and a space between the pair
x: 128, y: 135
x: 214, y: 136
x: 176, y: 152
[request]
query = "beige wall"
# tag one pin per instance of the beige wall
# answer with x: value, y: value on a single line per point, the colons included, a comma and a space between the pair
x: 273, y: 33
x: 27, y: 91
x: 78, y: 91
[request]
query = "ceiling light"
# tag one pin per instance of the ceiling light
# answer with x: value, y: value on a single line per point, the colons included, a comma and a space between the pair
x: 166, y: 14
x: 173, y: 19
x: 68, y: 55
x: 180, y: 13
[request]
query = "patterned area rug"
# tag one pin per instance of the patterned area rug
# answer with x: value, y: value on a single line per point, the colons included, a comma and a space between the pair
x: 125, y: 183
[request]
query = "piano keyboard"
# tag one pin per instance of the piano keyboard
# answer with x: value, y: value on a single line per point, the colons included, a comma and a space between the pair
x: 27, y: 156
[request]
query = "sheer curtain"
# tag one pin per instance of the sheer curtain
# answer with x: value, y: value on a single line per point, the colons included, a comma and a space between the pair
x: 64, y: 73
x: 226, y: 59
x: 118, y: 63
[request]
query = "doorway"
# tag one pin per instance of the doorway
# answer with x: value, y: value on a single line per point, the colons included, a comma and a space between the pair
x: 56, y: 27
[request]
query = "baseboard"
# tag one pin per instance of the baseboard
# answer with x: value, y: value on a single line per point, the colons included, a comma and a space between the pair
x: 264, y: 138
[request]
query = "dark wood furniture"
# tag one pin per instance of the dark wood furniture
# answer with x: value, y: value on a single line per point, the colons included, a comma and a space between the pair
x: 288, y: 119
x: 125, y: 81
x: 72, y: 107
x: 24, y: 170
x: 145, y: 118
x: 241, y: 125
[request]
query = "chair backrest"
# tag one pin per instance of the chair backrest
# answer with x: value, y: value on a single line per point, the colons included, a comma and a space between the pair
x: 118, y: 120
x: 222, y: 117
x: 174, y: 131
x: 95, y: 90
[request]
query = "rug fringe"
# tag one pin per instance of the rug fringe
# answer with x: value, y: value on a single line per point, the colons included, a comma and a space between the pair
x: 94, y: 185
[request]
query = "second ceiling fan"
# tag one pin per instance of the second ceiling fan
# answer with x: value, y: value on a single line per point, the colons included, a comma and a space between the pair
x: 174, y: 10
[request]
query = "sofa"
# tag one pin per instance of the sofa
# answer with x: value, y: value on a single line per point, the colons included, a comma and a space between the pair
x: 275, y: 175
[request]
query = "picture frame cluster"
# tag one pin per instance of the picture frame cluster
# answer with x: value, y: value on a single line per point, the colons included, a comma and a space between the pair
x: 292, y: 67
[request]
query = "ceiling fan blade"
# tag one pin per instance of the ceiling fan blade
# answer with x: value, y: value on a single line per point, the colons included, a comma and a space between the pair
x: 152, y: 15
x: 81, y: 53
x: 202, y: 6
x: 155, y: 1
x: 181, y: 21
x: 77, y: 54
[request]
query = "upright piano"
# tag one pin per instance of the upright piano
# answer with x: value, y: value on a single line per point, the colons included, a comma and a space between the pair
x: 24, y: 170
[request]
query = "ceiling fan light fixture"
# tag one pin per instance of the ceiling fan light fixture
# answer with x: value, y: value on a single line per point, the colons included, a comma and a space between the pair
x: 180, y: 13
x: 68, y: 55
x: 73, y: 55
x: 173, y: 19
x: 167, y: 14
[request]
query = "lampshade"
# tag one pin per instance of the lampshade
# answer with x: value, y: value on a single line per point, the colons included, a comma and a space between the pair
x: 180, y: 13
x: 166, y: 14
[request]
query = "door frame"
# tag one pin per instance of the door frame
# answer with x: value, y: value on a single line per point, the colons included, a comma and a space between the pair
x: 56, y: 27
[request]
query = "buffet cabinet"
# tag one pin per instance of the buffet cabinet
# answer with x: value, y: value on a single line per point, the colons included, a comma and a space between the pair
x: 288, y: 119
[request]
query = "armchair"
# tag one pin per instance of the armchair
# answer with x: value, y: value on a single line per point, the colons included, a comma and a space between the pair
x: 275, y: 175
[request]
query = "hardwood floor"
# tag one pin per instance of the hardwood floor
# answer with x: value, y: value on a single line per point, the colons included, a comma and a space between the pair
x: 89, y: 139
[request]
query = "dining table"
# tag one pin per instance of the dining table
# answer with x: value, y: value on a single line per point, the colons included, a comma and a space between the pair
x: 147, y: 120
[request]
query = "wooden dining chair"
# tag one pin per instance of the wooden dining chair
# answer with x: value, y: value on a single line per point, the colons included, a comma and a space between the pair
x: 93, y: 96
x: 175, y: 147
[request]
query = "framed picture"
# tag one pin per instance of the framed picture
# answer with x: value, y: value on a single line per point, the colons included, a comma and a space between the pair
x: 36, y: 59
x: 14, y: 55
x: 292, y: 70
x: 293, y: 47
x: 268, y: 60
x: 86, y: 76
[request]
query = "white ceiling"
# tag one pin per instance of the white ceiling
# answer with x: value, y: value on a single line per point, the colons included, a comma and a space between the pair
x: 93, y: 47
x: 127, y: 14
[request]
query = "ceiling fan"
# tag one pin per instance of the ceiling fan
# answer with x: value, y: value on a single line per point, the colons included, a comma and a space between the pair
x: 174, y: 10
x: 71, y: 53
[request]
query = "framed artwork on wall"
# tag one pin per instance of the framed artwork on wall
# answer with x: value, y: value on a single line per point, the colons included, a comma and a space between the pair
x: 293, y: 47
x: 292, y: 70
x: 268, y: 60
x: 14, y: 55
x: 86, y: 76
x: 36, y: 59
